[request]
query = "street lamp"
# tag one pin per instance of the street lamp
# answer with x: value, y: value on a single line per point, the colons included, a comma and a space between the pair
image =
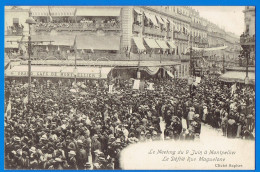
x: 30, y: 21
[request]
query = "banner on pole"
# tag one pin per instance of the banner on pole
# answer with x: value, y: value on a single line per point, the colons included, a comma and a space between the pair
x: 136, y: 84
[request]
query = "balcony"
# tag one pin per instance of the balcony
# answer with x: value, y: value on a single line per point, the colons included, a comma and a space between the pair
x: 99, y: 56
x: 163, y: 33
x: 198, y: 26
x: 137, y: 28
x: 152, y: 31
x: 170, y: 34
x: 77, y: 27
x: 15, y: 32
x: 247, y: 40
x: 204, y: 41
x: 181, y: 36
x: 216, y: 34
x: 197, y: 39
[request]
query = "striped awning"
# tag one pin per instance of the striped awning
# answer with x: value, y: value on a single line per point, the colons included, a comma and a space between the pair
x: 139, y: 43
x: 62, y: 11
x: 160, y: 20
x: 39, y: 11
x: 172, y: 45
x: 152, y: 18
x: 151, y: 43
x: 234, y: 76
x: 138, y: 11
x: 165, y: 20
x: 162, y: 44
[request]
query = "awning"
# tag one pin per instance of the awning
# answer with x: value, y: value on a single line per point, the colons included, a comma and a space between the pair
x: 59, y: 72
x: 162, y: 44
x: 62, y: 11
x: 172, y: 45
x: 152, y: 18
x: 151, y: 43
x: 13, y: 44
x: 98, y: 11
x: 98, y: 42
x: 160, y: 20
x: 39, y: 11
x: 235, y: 76
x: 138, y: 11
x: 139, y: 43
x: 170, y: 74
x: 151, y: 70
x: 165, y: 20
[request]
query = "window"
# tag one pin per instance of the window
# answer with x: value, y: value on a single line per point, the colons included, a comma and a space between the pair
x: 15, y: 20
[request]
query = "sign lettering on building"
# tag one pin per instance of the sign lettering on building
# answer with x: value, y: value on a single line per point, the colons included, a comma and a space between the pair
x: 54, y: 74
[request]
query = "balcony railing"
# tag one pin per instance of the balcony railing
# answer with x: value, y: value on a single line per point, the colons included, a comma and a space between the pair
x: 96, y: 56
x: 77, y: 27
x: 198, y: 26
x: 151, y: 30
x: 170, y: 34
x: 15, y: 32
x: 137, y: 28
x: 179, y: 35
x: 247, y: 40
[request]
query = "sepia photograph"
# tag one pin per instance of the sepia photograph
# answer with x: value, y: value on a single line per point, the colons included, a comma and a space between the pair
x: 129, y: 87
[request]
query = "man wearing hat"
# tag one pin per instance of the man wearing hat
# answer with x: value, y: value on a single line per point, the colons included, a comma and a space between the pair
x: 82, y: 155
x: 72, y: 162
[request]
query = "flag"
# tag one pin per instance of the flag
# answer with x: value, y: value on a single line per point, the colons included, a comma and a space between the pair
x: 75, y: 44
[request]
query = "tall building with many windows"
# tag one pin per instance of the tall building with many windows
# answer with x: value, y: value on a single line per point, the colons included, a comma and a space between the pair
x: 125, y: 35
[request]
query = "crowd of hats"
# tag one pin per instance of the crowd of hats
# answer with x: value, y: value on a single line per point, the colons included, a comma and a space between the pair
x: 62, y: 129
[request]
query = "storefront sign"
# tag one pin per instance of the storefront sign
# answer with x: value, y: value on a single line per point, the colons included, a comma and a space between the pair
x: 53, y: 74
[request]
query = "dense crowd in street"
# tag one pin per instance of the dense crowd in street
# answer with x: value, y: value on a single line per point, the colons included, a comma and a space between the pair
x: 83, y: 126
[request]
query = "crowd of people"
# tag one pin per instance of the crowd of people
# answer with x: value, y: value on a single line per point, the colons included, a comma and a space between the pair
x: 83, y: 126
x: 84, y: 22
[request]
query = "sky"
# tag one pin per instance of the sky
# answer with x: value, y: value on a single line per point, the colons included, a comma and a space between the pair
x: 231, y: 18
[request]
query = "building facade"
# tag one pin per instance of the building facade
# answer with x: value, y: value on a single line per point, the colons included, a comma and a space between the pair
x: 159, y: 34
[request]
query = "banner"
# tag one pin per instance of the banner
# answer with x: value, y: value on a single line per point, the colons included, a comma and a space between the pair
x: 198, y: 79
x: 110, y: 89
x: 150, y: 87
x: 136, y: 84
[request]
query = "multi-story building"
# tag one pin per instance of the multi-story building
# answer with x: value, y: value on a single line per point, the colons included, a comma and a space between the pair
x: 247, y: 39
x: 118, y: 35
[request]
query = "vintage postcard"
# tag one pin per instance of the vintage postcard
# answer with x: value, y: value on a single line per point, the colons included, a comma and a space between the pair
x: 129, y: 87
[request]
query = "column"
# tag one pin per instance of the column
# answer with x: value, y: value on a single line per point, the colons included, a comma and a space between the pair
x: 127, y: 21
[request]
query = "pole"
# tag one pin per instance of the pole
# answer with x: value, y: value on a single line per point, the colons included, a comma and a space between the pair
x: 138, y: 70
x: 223, y: 63
x: 247, y: 59
x: 75, y: 73
x: 29, y: 65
